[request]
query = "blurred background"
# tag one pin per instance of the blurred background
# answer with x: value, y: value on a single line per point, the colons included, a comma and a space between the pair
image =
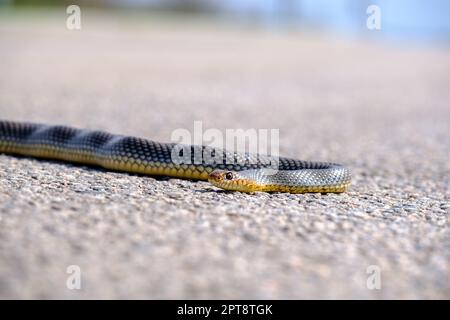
x: 413, y: 20
x: 212, y: 60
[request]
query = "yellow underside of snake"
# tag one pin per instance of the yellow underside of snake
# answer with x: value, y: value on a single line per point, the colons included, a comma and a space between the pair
x: 224, y: 169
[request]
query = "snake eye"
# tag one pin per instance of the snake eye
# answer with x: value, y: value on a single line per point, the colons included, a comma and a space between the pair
x: 229, y: 176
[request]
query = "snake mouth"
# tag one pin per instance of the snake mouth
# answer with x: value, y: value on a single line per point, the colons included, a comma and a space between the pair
x: 231, y: 180
x: 221, y: 179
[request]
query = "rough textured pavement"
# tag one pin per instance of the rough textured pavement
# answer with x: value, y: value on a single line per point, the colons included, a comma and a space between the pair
x: 382, y: 109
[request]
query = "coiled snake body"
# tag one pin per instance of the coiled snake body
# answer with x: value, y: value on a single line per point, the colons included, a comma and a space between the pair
x: 245, y: 172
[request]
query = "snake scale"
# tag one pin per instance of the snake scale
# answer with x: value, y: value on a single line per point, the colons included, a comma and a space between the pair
x: 245, y: 172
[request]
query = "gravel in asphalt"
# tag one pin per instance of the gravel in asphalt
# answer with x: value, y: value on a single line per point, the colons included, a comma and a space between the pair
x: 380, y: 108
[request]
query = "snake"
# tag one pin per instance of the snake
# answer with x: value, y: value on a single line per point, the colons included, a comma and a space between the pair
x: 228, y: 170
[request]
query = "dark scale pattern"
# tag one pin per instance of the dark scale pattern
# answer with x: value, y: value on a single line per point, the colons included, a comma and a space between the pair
x: 91, y: 141
x: 19, y: 132
x: 57, y: 136
x: 136, y: 154
x: 137, y: 149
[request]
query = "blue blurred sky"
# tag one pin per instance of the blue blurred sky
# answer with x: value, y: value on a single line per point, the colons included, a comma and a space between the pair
x: 411, y: 20
x: 401, y: 20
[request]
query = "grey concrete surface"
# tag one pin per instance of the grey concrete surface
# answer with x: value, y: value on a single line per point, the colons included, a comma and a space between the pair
x: 381, y: 108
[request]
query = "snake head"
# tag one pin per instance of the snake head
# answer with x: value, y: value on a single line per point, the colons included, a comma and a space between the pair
x: 232, y: 180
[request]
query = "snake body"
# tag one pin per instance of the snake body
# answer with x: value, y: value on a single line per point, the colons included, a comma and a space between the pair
x: 245, y: 172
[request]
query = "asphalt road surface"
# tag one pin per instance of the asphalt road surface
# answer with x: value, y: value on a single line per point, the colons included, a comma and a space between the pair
x: 381, y: 108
